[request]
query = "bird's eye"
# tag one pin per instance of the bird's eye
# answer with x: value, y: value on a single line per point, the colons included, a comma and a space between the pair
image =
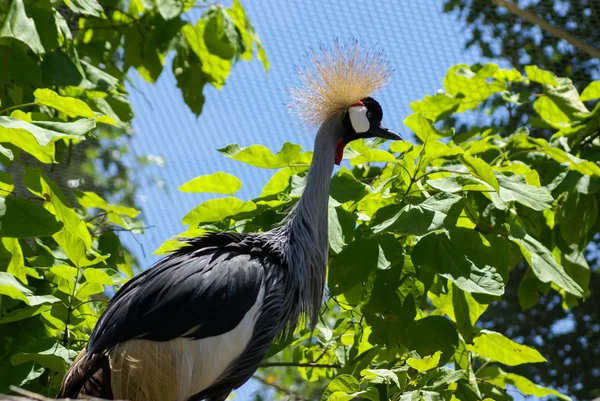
x: 369, y: 114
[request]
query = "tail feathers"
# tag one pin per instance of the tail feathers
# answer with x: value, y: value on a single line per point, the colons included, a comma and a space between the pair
x: 89, y: 375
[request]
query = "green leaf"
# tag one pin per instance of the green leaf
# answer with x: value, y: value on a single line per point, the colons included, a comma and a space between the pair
x: 378, y: 376
x: 342, y: 383
x: 353, y: 265
x: 64, y: 271
x: 502, y: 379
x: 458, y: 183
x: 47, y: 352
x: 469, y: 87
x: 72, y: 245
x: 187, y: 70
x: 38, y: 183
x: 442, y: 377
x: 390, y: 294
x: 591, y: 92
x: 344, y: 187
x: 465, y: 257
x: 169, y: 9
x: 441, y: 211
x: 481, y: 169
x: 217, y: 210
x: 219, y: 183
x: 423, y: 128
x: 534, y: 73
x: 17, y: 131
x: 551, y: 113
x: 261, y: 156
x: 462, y: 314
x: 577, y: 217
x: 87, y: 289
x: 16, y: 266
x: 436, y: 107
x: 91, y: 200
x: 373, y: 156
x: 498, y: 348
x: 542, y: 262
x: 9, y: 286
x: 220, y: 34
x: 24, y: 313
x: 248, y: 33
x: 6, y: 183
x: 278, y: 182
x: 97, y: 276
x: 431, y: 334
x: 17, y: 24
x: 86, y: 7
x: 425, y: 364
x: 21, y: 218
x: 71, y: 106
x: 515, y: 188
x: 342, y: 225
x: 214, y: 67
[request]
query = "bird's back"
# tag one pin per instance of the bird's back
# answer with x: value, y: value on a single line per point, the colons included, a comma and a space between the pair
x: 194, y: 326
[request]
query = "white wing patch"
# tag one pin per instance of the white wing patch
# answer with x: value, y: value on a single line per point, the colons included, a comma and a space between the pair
x: 358, y: 119
x: 143, y: 370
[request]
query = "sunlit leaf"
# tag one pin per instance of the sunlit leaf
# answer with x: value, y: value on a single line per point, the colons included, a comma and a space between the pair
x: 217, y: 210
x: 220, y: 183
x: 538, y: 75
x: 426, y: 363
x: 498, y: 348
x: 17, y: 24
x: 542, y: 262
x: 71, y: 106
x: 591, y: 92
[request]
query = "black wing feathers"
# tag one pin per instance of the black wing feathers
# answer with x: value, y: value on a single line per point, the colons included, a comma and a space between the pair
x: 201, y: 290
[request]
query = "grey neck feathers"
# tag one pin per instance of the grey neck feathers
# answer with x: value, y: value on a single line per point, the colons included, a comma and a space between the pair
x: 307, y: 228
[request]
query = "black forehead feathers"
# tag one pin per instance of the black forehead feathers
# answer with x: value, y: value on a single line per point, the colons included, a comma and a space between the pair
x: 374, y: 107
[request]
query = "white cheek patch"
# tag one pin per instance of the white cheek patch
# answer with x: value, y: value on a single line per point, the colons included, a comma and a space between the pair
x: 358, y: 119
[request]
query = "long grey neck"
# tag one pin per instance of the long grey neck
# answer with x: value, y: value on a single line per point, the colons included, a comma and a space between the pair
x: 308, y: 225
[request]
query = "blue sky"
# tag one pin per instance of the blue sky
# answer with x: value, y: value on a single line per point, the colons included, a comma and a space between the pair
x: 420, y: 40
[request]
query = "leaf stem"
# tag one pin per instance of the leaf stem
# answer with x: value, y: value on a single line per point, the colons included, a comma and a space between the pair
x: 18, y: 106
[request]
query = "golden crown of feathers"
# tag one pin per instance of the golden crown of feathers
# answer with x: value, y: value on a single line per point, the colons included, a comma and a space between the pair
x: 336, y: 78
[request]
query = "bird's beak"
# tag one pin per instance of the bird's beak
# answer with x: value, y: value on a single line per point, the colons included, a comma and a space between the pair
x: 383, y: 132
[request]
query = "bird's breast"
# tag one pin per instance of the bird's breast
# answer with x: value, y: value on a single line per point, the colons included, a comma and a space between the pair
x: 143, y: 370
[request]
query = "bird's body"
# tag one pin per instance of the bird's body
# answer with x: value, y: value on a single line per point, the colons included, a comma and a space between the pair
x: 198, y: 324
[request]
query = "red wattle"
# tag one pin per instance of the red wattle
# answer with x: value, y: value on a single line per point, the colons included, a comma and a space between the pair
x: 339, y: 152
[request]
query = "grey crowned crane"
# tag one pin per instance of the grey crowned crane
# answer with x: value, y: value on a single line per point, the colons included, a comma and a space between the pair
x: 197, y: 324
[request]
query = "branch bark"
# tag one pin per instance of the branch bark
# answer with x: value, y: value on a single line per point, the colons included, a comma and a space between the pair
x: 301, y: 365
x: 25, y: 395
x: 548, y: 27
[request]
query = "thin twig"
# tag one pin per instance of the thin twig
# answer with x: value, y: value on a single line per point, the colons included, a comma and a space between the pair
x: 279, y: 388
x: 301, y: 365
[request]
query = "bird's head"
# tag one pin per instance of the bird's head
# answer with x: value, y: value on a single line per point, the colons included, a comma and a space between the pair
x: 363, y: 120
x: 337, y: 84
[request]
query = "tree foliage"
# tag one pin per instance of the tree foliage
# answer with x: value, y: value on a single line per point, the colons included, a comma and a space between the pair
x: 425, y: 237
x: 65, y: 192
x: 505, y: 35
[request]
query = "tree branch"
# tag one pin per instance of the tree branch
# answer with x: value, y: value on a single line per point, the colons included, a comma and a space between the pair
x: 548, y: 27
x: 301, y: 365
x: 25, y: 395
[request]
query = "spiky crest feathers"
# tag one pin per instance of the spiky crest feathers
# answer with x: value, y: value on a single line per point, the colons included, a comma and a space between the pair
x: 335, y: 79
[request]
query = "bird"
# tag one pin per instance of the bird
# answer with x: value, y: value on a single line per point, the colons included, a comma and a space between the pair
x: 198, y: 323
